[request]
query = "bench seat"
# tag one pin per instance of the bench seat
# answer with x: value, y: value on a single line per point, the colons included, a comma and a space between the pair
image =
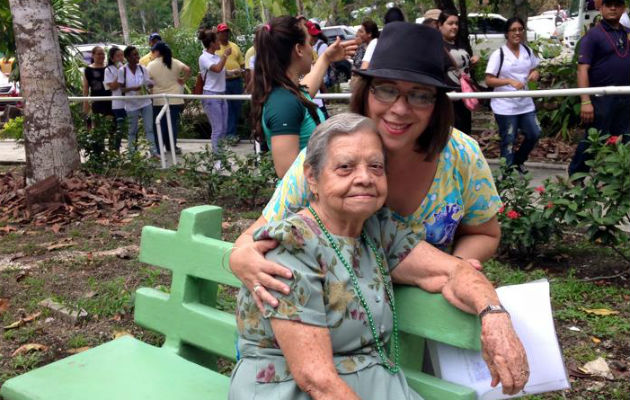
x: 125, y: 368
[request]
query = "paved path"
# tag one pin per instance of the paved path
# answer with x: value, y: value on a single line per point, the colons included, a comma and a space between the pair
x: 12, y: 153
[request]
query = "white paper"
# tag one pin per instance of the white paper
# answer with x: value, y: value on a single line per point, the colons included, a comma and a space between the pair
x: 530, y: 310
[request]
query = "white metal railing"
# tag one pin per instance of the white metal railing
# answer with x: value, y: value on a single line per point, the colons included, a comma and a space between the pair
x: 595, y: 91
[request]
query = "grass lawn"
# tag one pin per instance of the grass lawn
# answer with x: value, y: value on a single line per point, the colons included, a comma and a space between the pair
x: 82, y: 275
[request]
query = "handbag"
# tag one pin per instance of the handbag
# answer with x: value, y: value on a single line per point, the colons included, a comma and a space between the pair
x: 198, y: 89
x: 468, y: 86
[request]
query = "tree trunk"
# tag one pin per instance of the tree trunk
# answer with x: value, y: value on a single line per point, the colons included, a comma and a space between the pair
x: 226, y: 10
x: 123, y: 20
x: 462, y: 35
x: 445, y: 4
x: 175, y: 13
x: 520, y: 8
x: 299, y: 5
x: 51, y: 146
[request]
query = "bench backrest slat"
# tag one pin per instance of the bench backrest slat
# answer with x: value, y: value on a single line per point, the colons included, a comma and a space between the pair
x: 198, y: 260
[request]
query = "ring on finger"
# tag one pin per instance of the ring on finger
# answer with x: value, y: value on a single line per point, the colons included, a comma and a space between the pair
x: 257, y: 287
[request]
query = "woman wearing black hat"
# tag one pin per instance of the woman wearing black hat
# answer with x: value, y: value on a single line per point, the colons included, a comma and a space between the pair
x: 439, y: 184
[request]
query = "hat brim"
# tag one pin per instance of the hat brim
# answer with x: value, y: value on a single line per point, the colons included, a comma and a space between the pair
x: 403, y: 75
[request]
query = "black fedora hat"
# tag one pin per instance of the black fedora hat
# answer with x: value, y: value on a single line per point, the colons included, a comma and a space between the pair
x: 408, y: 52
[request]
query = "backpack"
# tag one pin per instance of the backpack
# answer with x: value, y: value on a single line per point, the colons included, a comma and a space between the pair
x: 199, y: 83
x: 502, y: 56
x: 125, y: 75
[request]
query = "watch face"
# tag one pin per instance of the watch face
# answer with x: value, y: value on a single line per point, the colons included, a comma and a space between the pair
x: 493, y: 307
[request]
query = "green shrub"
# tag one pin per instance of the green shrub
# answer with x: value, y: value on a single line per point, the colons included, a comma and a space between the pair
x: 596, y: 202
x: 14, y: 129
x: 244, y: 179
x: 527, y: 217
x: 108, y: 160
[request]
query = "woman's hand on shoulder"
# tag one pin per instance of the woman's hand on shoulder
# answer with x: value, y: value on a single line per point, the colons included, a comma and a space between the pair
x: 504, y: 353
x: 249, y: 265
x: 339, y: 50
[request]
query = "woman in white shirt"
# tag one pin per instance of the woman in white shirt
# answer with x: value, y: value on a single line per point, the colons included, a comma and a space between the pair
x: 510, y: 68
x: 134, y: 81
x: 212, y: 68
x: 114, y: 62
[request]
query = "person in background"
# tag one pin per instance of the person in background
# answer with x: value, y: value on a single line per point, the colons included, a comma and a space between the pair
x: 457, y: 61
x: 510, y: 68
x: 147, y: 58
x: 169, y: 75
x: 368, y: 31
x: 604, y: 60
x: 212, y: 68
x: 93, y: 77
x: 283, y: 112
x: 625, y: 19
x: 115, y: 59
x: 431, y: 17
x: 134, y: 80
x: 250, y: 58
x: 392, y: 14
x: 319, y: 41
x: 233, y: 78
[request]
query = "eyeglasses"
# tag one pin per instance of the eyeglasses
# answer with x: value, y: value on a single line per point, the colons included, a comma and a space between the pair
x: 517, y: 30
x: 390, y: 93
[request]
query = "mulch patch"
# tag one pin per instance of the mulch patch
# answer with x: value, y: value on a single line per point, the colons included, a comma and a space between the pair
x: 110, y: 201
x: 547, y: 149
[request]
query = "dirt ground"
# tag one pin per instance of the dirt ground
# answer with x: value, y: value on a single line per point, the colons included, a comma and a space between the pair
x: 93, y: 266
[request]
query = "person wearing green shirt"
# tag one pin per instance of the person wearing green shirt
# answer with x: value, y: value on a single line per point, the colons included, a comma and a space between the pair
x: 283, y: 112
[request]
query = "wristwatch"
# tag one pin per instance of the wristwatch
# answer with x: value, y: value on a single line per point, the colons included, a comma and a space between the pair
x: 493, y: 309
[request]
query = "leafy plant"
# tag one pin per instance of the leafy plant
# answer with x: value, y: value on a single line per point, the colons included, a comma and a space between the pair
x: 109, y: 160
x: 527, y: 217
x: 14, y: 129
x: 599, y: 199
x: 226, y: 176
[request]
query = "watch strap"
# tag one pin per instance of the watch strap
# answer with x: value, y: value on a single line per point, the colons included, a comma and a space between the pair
x: 493, y: 309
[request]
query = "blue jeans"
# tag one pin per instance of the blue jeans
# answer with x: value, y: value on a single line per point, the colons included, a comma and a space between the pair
x: 217, y: 113
x: 612, y: 116
x: 147, y: 121
x: 175, y: 111
x: 233, y: 86
x: 119, y: 120
x: 509, y: 125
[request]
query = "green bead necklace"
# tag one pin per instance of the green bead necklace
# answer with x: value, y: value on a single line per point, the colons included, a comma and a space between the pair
x: 392, y: 366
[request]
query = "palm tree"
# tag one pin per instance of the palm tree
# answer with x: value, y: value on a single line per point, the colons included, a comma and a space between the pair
x: 51, y: 146
x: 175, y: 13
x: 123, y: 20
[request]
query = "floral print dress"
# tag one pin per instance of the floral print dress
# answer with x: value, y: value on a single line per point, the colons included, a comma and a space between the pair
x: 322, y: 295
x: 462, y: 192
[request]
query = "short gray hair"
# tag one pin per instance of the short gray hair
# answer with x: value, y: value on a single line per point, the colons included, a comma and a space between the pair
x: 341, y: 124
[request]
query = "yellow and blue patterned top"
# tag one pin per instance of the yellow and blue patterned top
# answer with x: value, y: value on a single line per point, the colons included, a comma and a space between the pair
x: 462, y: 191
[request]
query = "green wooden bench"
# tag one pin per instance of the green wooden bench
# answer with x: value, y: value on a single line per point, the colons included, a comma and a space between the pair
x: 197, y: 333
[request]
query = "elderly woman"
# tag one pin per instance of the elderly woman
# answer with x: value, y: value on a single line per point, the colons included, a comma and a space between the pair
x: 341, y: 255
x: 439, y: 184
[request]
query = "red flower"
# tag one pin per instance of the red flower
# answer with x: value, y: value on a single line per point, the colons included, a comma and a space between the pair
x: 513, y: 214
x: 540, y: 189
x: 549, y: 205
x: 501, y: 209
x: 612, y: 140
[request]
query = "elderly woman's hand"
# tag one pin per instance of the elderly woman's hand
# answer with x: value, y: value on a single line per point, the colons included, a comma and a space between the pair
x: 250, y: 266
x: 504, y: 353
x: 339, y: 50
